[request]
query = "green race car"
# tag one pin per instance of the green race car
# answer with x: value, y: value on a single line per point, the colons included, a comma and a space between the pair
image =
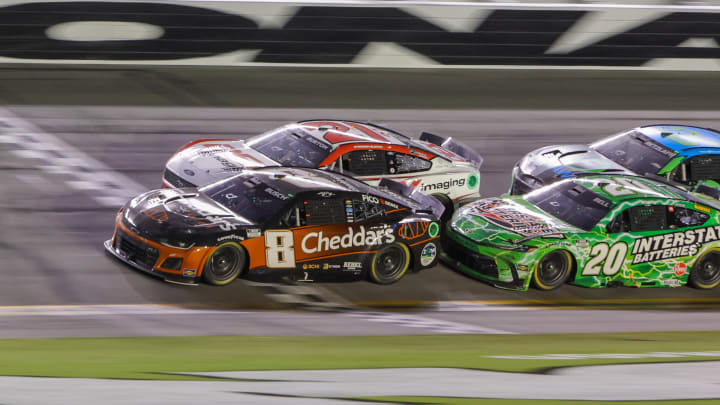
x: 594, y: 231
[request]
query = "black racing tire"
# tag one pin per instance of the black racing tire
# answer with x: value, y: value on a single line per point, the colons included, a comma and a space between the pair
x: 552, y: 271
x: 390, y: 263
x: 225, y: 264
x: 448, y: 204
x: 705, y: 273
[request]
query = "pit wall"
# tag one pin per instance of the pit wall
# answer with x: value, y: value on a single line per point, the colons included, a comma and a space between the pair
x: 377, y: 34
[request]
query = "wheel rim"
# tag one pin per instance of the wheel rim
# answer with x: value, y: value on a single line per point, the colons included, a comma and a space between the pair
x: 224, y: 262
x: 708, y: 272
x: 390, y: 262
x: 552, y: 268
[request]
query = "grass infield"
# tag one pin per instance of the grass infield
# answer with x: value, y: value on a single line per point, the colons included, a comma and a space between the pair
x: 155, y: 357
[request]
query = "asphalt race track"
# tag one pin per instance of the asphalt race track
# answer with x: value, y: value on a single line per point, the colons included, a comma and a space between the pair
x: 64, y: 171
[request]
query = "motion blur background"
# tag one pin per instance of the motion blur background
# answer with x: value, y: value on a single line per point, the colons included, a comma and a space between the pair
x: 98, y: 94
x: 95, y: 96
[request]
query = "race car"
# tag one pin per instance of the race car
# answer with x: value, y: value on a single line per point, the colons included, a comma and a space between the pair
x: 365, y: 151
x: 683, y: 155
x: 592, y: 231
x: 276, y: 223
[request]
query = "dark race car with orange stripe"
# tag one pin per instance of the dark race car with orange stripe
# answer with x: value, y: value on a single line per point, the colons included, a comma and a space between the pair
x: 278, y: 223
x: 368, y: 152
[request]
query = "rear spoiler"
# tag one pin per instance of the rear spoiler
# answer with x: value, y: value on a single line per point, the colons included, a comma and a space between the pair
x: 433, y: 205
x: 454, y: 146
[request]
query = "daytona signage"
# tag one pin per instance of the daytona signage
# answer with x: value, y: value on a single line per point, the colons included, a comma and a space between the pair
x: 339, y: 34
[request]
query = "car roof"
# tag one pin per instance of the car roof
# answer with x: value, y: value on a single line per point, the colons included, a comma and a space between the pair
x: 338, y: 133
x: 647, y: 188
x: 292, y: 181
x: 683, y: 138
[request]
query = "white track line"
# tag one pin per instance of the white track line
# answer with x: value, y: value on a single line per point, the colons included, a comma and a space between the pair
x: 54, y: 156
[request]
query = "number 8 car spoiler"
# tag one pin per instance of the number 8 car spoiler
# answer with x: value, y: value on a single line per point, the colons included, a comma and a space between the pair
x: 433, y: 205
x: 454, y: 146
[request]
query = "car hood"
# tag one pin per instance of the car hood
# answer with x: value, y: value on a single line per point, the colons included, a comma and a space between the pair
x: 555, y: 163
x: 506, y: 220
x: 165, y: 212
x: 207, y: 162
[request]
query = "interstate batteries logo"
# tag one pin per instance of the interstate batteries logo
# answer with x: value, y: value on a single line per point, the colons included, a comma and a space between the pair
x: 316, y: 242
x: 676, y: 244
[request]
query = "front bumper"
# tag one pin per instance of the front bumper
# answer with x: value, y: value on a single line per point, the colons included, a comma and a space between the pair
x: 149, y: 257
x: 484, y: 267
x: 170, y: 278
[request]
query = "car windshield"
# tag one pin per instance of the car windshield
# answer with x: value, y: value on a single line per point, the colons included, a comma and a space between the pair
x: 571, y: 203
x: 636, y: 152
x: 247, y: 197
x: 291, y: 147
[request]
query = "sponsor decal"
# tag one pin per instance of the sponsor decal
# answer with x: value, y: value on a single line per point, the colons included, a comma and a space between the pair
x: 328, y: 266
x: 499, y: 213
x: 189, y: 272
x: 211, y: 150
x: 376, y: 200
x: 433, y: 229
x: 157, y: 214
x: 659, y: 148
x: 325, y: 194
x: 226, y: 164
x: 680, y: 269
x: 562, y: 172
x: 352, y: 265
x: 428, y: 253
x: 253, y: 233
x: 316, y: 242
x: 221, y: 223
x: 310, y: 266
x: 189, y: 172
x: 230, y: 237
x: 319, y: 144
x: 276, y: 194
x: 442, y: 185
x: 676, y: 244
x: 601, y: 202
x: 582, y: 243
x: 472, y: 181
x: 671, y: 282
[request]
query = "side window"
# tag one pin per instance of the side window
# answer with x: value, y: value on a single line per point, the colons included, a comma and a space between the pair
x: 366, y: 210
x: 365, y: 162
x: 655, y: 218
x: 680, y: 217
x: 378, y: 162
x: 315, y: 212
x: 404, y: 163
x: 325, y: 211
x: 648, y: 218
x: 705, y: 167
x: 640, y: 219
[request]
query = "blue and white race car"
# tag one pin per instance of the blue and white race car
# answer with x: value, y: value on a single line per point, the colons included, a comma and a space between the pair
x: 685, y: 155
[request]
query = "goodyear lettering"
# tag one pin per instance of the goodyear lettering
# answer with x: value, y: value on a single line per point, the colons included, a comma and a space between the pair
x: 315, y: 242
x: 443, y: 185
x: 671, y: 245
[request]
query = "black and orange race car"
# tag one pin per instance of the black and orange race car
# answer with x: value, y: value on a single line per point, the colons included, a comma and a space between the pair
x: 278, y: 223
